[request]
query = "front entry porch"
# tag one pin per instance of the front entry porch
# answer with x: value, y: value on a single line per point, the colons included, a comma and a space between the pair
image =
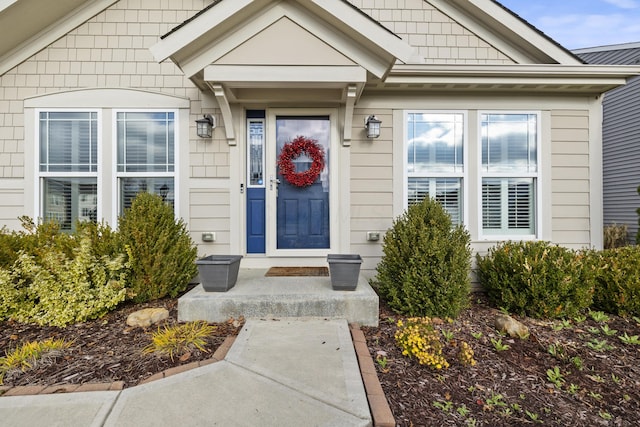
x: 257, y: 296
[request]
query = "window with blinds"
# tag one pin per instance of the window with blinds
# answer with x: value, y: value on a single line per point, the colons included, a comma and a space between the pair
x: 68, y: 159
x: 435, y: 161
x: 509, y: 173
x: 146, y: 155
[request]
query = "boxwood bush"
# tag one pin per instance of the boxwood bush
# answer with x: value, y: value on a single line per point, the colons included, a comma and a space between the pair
x: 536, y: 278
x: 425, y: 266
x: 617, y: 280
x: 161, y: 253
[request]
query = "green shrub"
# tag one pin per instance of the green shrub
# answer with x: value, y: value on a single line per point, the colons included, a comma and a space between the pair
x: 10, y: 244
x: 161, y: 253
x: 35, y: 240
x: 617, y: 280
x: 425, y: 266
x: 536, y: 278
x: 55, y: 289
x: 104, y: 240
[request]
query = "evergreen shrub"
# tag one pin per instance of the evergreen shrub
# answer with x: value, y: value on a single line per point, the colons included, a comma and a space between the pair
x: 536, y: 278
x: 53, y: 288
x: 161, y: 253
x: 617, y: 280
x: 35, y: 240
x: 425, y: 266
x: 10, y: 244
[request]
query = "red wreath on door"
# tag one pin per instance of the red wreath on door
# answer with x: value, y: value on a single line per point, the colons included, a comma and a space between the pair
x: 295, y: 149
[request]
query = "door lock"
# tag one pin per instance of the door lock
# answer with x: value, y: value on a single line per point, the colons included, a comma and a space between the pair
x: 272, y: 181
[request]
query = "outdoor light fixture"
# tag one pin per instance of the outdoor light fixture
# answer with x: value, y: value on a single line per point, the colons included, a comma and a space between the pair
x: 205, y: 126
x: 372, y: 125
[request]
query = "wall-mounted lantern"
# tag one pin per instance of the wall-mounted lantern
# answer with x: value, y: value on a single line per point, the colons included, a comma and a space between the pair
x: 205, y: 126
x: 372, y: 125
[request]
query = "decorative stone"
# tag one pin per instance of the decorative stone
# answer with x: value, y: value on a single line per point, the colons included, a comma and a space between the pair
x: 511, y: 326
x: 147, y: 317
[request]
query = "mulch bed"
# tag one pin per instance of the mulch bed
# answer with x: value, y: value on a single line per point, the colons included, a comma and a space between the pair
x: 512, y: 387
x: 505, y: 388
x: 103, y: 350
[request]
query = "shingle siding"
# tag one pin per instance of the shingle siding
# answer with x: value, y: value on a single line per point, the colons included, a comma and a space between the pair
x: 438, y: 38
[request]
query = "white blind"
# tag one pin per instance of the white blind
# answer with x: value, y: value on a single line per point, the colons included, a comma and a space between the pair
x: 446, y: 191
x: 508, y: 205
x: 68, y: 142
x: 145, y: 141
x: 68, y: 200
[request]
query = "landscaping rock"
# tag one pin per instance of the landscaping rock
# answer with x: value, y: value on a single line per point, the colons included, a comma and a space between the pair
x: 147, y: 317
x: 511, y: 326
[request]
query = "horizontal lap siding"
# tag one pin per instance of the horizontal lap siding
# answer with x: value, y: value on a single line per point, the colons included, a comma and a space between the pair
x: 621, y: 157
x: 371, y: 185
x: 210, y: 211
x: 570, y: 200
x: 12, y: 206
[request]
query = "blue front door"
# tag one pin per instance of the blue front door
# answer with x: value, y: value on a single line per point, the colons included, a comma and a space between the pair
x: 303, y: 199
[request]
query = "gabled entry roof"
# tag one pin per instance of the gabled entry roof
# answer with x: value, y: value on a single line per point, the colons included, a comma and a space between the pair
x: 282, y: 46
x: 227, y: 25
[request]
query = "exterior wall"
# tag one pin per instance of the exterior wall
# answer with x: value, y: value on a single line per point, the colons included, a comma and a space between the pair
x: 567, y: 179
x: 372, y: 186
x: 621, y: 157
x: 570, y: 174
x: 110, y: 50
x: 620, y: 147
x: 439, y: 38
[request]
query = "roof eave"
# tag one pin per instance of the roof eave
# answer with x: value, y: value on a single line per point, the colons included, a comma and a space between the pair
x: 592, y: 79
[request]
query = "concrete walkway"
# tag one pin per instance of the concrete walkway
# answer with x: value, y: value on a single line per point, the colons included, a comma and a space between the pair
x: 286, y: 372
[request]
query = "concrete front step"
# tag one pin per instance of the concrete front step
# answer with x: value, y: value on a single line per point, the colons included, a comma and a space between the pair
x: 257, y: 296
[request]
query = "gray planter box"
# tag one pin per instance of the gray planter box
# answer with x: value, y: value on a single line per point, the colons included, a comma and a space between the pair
x: 344, y: 270
x: 218, y: 273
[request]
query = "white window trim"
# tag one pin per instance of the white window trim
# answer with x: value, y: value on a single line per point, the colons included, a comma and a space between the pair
x: 115, y: 194
x: 38, y: 201
x: 537, y: 176
x: 464, y: 175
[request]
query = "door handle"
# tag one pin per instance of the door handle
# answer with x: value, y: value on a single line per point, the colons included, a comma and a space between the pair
x: 272, y: 181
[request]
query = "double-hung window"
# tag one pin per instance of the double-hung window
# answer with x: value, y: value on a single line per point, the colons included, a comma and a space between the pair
x: 435, y: 161
x: 146, y: 155
x: 68, y: 166
x: 509, y: 173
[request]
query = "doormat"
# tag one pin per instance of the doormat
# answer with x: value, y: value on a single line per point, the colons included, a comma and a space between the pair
x: 297, y: 271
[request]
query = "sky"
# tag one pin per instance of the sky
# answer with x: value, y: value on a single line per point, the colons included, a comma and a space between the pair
x: 582, y: 23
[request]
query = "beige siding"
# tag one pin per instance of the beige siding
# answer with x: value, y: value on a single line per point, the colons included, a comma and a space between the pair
x: 210, y: 212
x: 110, y: 50
x: 12, y: 206
x: 570, y: 177
x: 438, y: 38
x: 371, y: 188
